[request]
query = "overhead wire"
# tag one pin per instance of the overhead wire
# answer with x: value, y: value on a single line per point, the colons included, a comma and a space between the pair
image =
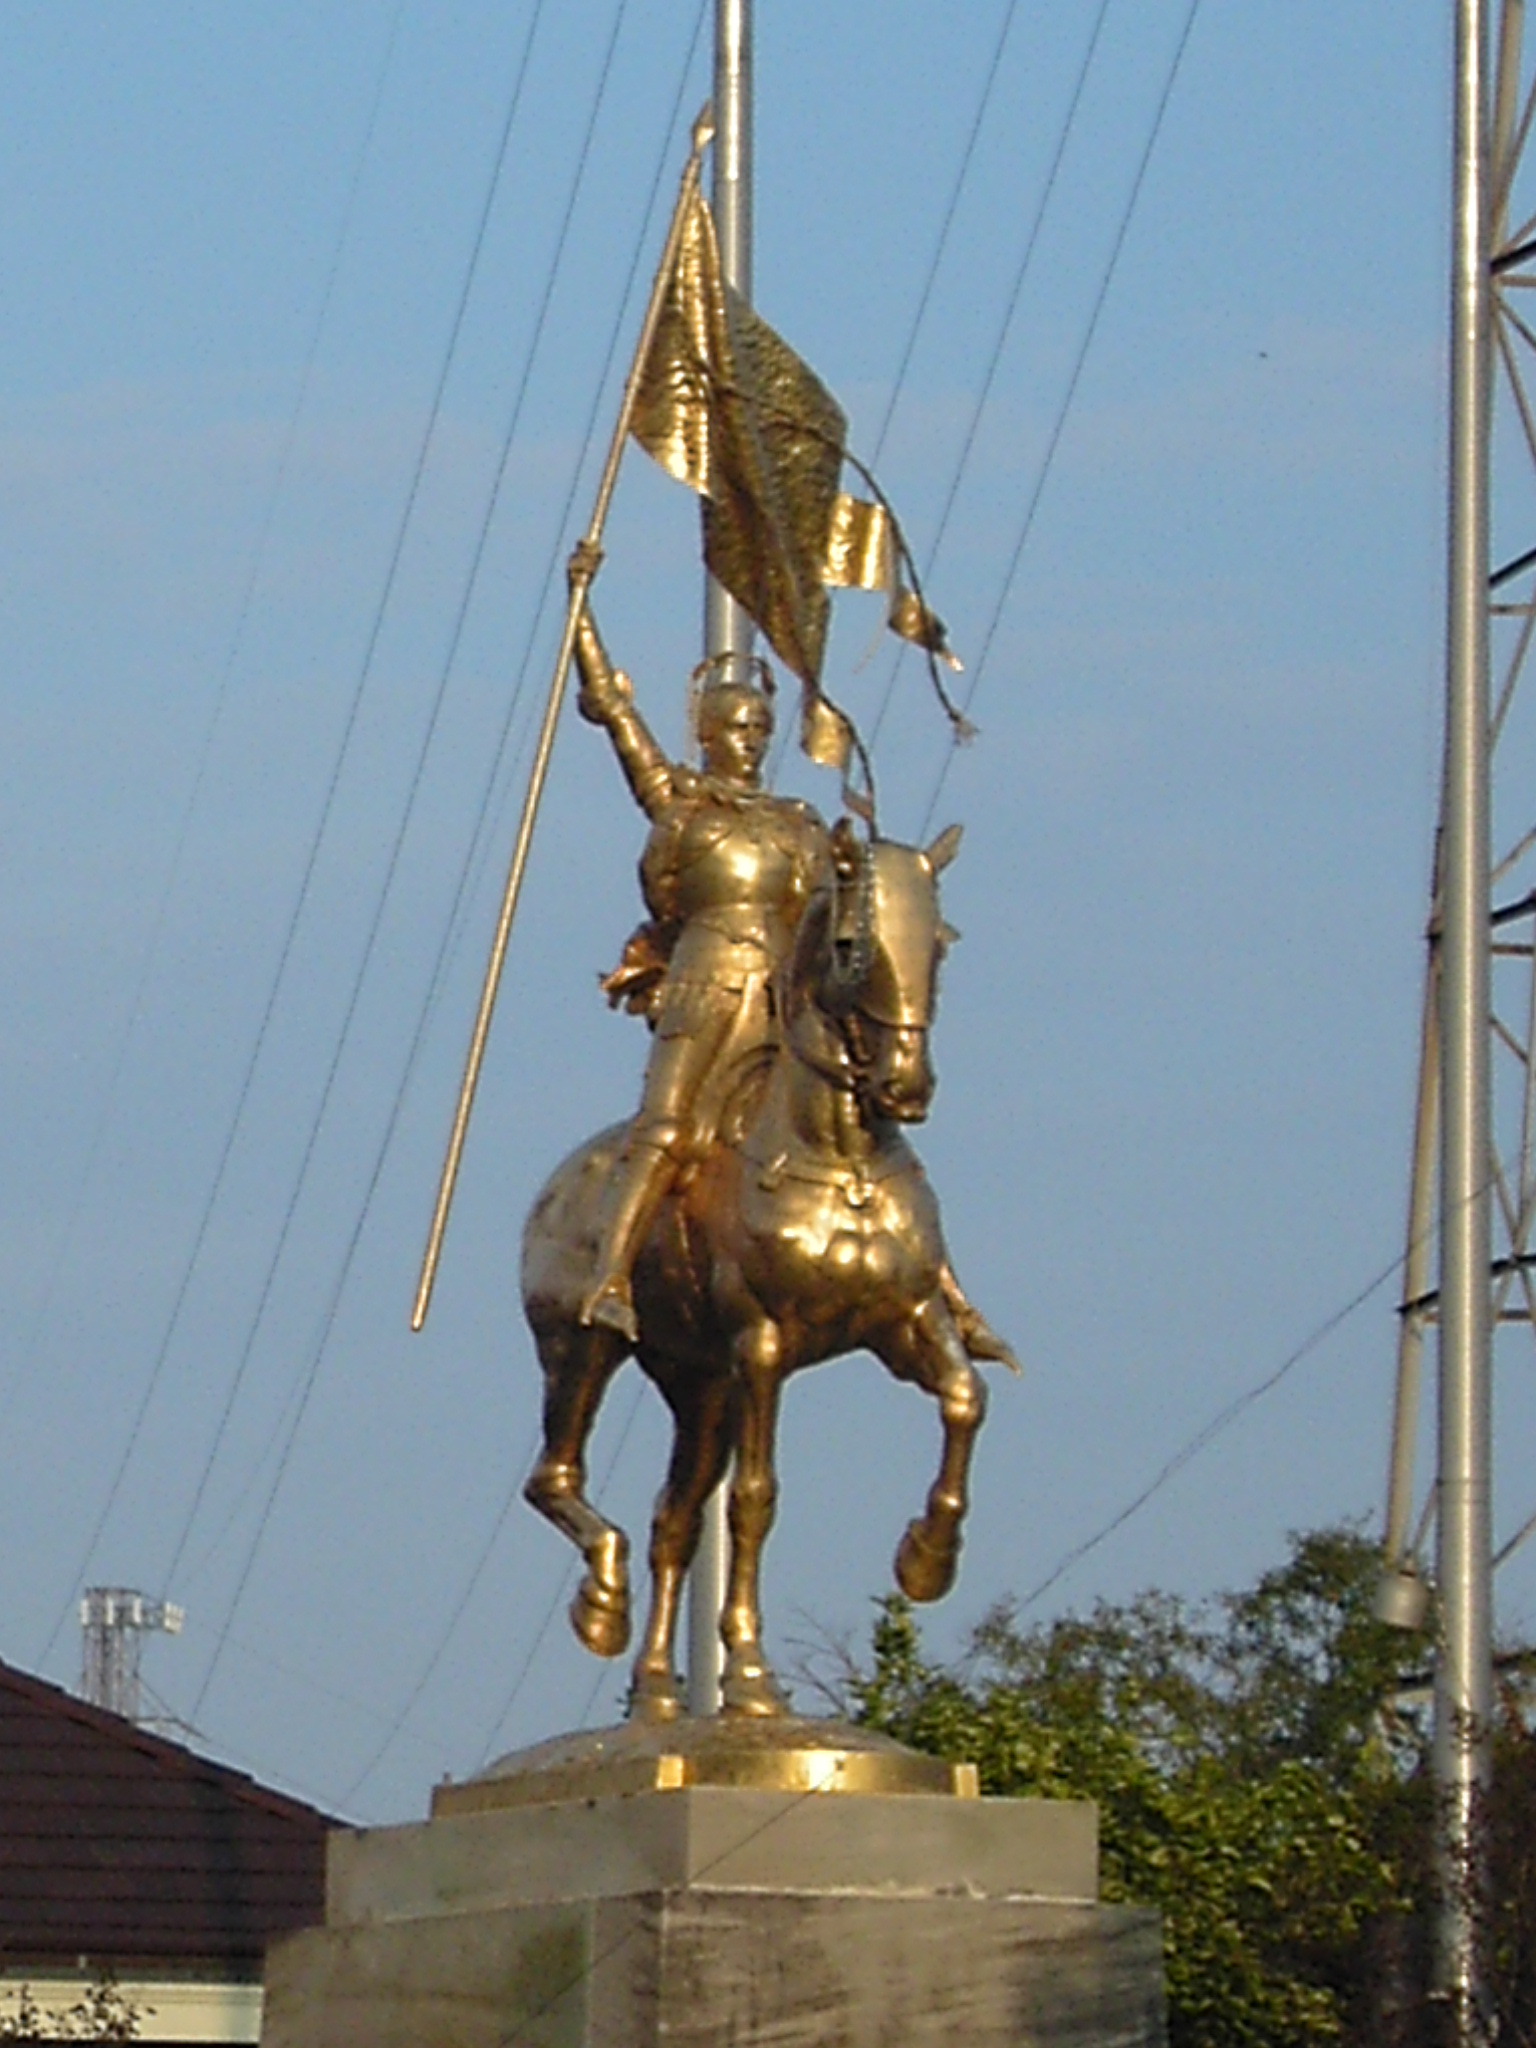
x: 366, y: 1710
x: 501, y: 758
x: 392, y: 863
x: 1000, y: 341
x: 151, y: 957
x: 1219, y: 1422
x: 354, y: 1238
x: 471, y: 1584
x: 342, y: 751
x: 1064, y: 409
x: 445, y: 1635
x: 936, y: 260
x: 398, y: 1723
x: 525, y: 1670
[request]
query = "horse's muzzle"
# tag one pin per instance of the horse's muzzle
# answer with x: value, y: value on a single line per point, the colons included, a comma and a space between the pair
x: 898, y: 1077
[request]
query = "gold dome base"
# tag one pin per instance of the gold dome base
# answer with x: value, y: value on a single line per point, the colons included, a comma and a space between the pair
x: 780, y: 1753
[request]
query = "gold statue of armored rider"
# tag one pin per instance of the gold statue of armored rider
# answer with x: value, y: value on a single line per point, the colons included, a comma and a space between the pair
x: 726, y: 874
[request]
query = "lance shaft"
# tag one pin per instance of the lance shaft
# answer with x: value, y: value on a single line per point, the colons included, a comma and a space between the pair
x: 581, y: 579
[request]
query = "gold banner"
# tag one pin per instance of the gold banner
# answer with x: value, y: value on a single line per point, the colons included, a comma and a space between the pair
x: 727, y: 407
x: 861, y: 548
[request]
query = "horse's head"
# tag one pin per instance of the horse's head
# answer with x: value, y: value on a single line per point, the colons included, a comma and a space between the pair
x: 868, y: 960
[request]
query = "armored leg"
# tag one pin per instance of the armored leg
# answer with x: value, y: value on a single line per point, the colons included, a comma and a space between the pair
x: 644, y: 1173
x: 688, y: 1041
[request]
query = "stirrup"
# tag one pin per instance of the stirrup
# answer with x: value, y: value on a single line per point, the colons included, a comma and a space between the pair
x: 610, y: 1306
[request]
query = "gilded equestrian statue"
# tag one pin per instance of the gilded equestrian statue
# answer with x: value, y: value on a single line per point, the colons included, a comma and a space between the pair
x: 763, y: 1210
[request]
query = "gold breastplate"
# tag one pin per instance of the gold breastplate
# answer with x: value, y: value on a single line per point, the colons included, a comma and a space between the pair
x: 734, y: 869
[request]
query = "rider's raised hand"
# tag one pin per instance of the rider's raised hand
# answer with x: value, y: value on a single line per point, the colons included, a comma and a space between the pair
x: 585, y: 561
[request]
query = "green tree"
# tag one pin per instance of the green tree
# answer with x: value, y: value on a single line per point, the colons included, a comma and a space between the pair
x: 1253, y: 1779
x: 100, y: 2013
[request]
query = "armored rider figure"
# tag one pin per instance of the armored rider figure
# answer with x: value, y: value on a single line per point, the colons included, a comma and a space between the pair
x: 726, y: 874
x: 727, y: 871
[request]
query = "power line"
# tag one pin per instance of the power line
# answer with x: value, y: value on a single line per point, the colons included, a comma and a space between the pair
x: 391, y: 866
x: 948, y: 222
x: 482, y: 832
x: 482, y: 1561
x: 311, y: 860
x: 205, y: 752
x: 355, y: 1236
x: 397, y: 1725
x: 525, y: 1670
x: 1005, y: 326
x: 439, y: 1649
x: 1214, y: 1428
x: 1065, y: 408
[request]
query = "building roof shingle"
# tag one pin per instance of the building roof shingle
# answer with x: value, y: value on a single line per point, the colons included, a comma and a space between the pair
x: 122, y: 1848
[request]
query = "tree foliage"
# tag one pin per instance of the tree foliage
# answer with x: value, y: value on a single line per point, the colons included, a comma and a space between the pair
x: 100, y: 2013
x: 1254, y: 1781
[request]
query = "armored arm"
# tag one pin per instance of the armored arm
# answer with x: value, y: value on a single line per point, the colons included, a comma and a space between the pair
x: 607, y: 699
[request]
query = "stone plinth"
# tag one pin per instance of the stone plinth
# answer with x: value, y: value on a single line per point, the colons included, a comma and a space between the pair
x: 704, y: 1914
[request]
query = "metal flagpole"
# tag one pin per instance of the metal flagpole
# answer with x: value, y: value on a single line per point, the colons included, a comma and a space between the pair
x: 1463, y: 1670
x: 727, y: 632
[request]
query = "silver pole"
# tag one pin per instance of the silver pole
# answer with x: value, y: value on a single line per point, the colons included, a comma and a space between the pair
x: 1463, y: 1669
x: 1416, y: 1280
x: 727, y: 631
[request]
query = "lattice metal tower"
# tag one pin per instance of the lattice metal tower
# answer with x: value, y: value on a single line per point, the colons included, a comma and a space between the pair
x: 1512, y: 935
x: 113, y: 1623
x: 1470, y: 1273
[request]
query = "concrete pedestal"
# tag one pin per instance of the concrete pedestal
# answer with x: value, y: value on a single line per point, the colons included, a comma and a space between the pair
x: 710, y: 1914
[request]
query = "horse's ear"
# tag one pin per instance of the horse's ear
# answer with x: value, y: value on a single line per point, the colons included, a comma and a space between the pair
x: 944, y: 848
x: 948, y: 936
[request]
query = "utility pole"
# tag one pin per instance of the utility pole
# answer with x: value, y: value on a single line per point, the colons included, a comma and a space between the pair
x: 727, y: 638
x: 113, y: 1623
x: 1463, y: 1666
x: 1463, y: 1028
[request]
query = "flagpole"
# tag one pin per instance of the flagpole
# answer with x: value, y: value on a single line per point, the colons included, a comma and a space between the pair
x: 702, y: 131
x: 727, y: 634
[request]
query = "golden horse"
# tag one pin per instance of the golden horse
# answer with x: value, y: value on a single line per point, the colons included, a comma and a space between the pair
x: 806, y: 1229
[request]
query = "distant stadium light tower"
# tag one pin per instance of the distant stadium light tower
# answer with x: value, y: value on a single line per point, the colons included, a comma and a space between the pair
x: 113, y: 1622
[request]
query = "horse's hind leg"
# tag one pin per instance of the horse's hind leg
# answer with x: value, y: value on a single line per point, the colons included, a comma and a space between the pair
x: 748, y: 1686
x: 928, y: 1349
x: 578, y: 1364
x: 701, y: 1447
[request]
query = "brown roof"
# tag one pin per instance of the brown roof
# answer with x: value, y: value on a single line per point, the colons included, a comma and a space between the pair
x: 121, y: 1847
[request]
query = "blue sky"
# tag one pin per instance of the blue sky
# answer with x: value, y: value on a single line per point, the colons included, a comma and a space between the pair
x: 1178, y: 1043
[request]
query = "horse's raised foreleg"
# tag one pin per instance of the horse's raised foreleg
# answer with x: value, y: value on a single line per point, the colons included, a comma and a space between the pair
x: 748, y: 1686
x: 578, y: 1364
x: 701, y: 1448
x: 927, y: 1349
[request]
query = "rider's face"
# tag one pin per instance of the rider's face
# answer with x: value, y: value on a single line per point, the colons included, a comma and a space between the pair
x: 736, y: 737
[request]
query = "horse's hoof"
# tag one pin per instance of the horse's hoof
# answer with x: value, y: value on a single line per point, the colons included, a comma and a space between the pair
x: 600, y: 1605
x: 655, y: 1696
x: 748, y: 1689
x: 600, y: 1617
x: 925, y: 1564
